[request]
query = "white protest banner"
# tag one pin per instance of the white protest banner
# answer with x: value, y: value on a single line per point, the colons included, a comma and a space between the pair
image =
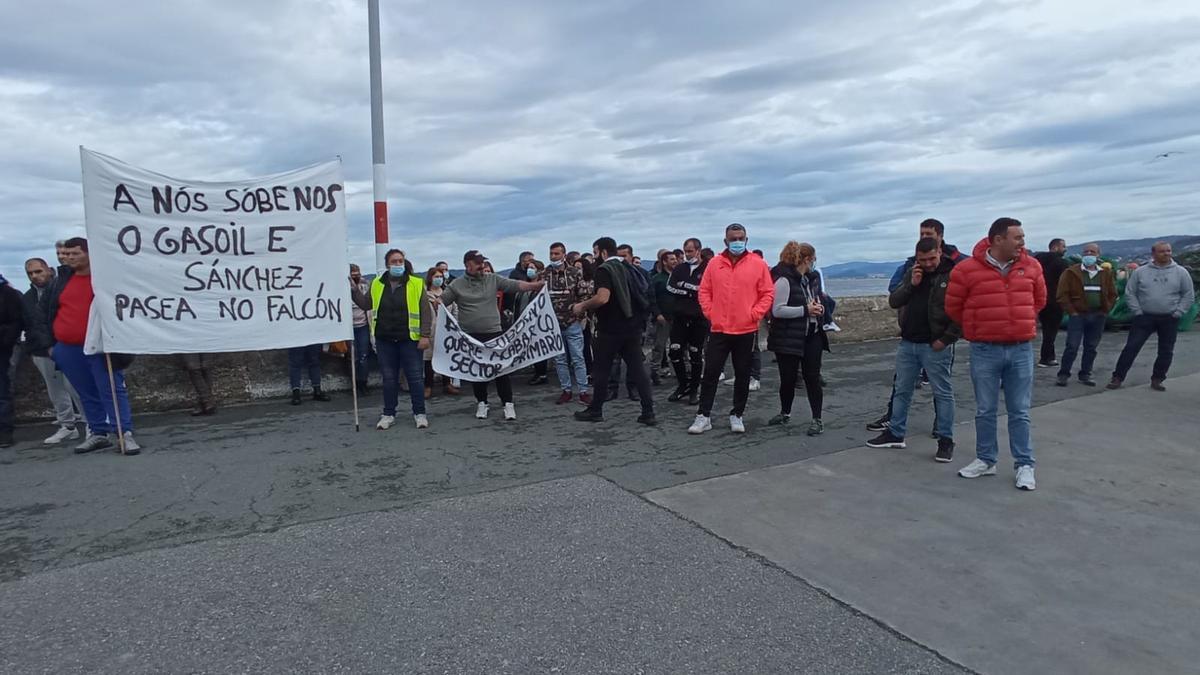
x: 535, y: 336
x: 185, y: 266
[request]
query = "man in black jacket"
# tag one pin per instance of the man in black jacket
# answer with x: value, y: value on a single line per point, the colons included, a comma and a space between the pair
x: 67, y: 406
x: 12, y: 322
x: 927, y: 337
x: 689, y: 330
x: 1054, y: 264
x: 625, y: 252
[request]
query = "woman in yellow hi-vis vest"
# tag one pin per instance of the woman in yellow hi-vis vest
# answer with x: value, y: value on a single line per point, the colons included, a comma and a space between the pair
x: 401, y: 323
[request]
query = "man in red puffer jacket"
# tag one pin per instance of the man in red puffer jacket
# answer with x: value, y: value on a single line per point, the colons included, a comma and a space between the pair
x: 996, y: 296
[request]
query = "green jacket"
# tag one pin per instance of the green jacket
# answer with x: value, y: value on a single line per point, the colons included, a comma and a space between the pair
x: 666, y: 301
x: 940, y: 325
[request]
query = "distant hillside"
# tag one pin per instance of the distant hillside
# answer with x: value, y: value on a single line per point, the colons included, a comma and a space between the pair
x: 860, y: 270
x: 1139, y: 249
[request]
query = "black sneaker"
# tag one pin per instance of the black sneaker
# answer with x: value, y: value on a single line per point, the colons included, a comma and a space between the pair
x: 633, y: 394
x: 589, y: 415
x: 1062, y: 381
x: 880, y: 424
x: 319, y: 395
x: 679, y: 394
x: 1052, y: 363
x: 613, y: 394
x: 296, y: 400
x: 1087, y: 381
x: 694, y: 397
x: 6, y: 439
x: 648, y: 419
x: 886, y: 440
x: 945, y: 451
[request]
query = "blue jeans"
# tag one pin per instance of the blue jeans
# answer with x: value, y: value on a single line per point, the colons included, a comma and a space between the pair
x: 362, y: 350
x: 572, y: 359
x: 88, y: 373
x: 1086, y: 329
x: 301, y: 359
x: 394, y: 355
x: 996, y: 367
x: 911, y: 358
x: 1143, y: 326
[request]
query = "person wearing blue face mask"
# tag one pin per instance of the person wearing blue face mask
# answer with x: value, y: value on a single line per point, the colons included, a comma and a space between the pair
x: 435, y: 285
x: 735, y: 293
x: 1086, y: 292
x: 402, y: 323
x: 541, y: 369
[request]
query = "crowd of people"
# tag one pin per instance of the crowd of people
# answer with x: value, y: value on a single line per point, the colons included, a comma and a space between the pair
x: 696, y: 310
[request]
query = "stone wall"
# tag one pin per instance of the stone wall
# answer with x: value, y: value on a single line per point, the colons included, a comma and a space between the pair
x: 159, y: 383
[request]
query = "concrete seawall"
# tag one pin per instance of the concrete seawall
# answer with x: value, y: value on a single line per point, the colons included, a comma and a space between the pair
x: 160, y: 383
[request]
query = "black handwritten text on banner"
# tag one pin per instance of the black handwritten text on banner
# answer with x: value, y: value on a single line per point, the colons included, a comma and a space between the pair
x: 535, y: 336
x: 182, y: 266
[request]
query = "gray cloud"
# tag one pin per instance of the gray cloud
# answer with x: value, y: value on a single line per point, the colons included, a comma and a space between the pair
x: 511, y: 125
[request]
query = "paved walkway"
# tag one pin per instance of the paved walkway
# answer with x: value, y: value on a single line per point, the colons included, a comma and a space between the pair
x: 274, y: 497
x: 1098, y: 571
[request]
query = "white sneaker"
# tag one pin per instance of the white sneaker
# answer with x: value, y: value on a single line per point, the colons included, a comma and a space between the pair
x: 722, y: 379
x: 481, y: 411
x: 385, y: 422
x: 510, y: 412
x: 977, y: 468
x: 832, y: 327
x: 700, y: 425
x: 736, y: 425
x: 755, y: 385
x: 130, y: 444
x: 63, y: 434
x: 1025, y: 479
x: 422, y: 421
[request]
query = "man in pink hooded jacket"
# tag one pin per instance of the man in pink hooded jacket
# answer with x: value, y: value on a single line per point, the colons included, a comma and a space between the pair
x: 735, y: 294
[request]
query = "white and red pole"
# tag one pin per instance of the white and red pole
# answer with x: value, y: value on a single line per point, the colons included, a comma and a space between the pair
x: 378, y: 173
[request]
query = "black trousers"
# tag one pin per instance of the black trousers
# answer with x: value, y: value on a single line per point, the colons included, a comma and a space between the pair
x: 606, y: 349
x: 688, y: 335
x: 807, y: 365
x: 1050, y: 318
x: 503, y: 383
x: 739, y: 349
x: 614, y: 376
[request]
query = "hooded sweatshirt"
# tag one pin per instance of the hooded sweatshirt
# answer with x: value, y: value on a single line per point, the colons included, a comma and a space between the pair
x: 1160, y: 290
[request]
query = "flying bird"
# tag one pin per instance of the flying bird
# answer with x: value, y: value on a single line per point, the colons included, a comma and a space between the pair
x: 1166, y: 155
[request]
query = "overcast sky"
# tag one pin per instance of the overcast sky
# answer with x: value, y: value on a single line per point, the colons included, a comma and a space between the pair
x: 513, y: 124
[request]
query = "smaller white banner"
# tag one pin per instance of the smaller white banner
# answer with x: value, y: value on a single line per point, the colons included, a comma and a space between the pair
x: 535, y: 336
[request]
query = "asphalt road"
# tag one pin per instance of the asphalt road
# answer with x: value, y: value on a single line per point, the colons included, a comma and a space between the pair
x: 267, y: 466
x: 278, y: 533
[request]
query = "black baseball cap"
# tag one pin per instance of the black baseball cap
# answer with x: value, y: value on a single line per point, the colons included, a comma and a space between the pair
x: 473, y: 255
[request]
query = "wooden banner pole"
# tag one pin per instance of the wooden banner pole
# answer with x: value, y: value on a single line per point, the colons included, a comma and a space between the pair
x: 112, y: 385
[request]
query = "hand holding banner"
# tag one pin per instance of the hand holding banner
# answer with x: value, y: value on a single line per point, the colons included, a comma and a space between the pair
x: 535, y: 336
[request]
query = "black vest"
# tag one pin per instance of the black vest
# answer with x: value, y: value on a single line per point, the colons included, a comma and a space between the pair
x: 787, y: 336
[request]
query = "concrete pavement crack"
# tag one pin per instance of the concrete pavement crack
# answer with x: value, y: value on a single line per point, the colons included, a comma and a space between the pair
x: 144, y: 517
x: 767, y: 562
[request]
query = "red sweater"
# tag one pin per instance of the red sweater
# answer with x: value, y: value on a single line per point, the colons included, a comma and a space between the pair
x: 71, y: 321
x: 735, y: 296
x: 992, y: 307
